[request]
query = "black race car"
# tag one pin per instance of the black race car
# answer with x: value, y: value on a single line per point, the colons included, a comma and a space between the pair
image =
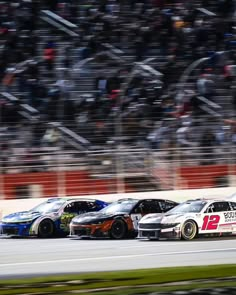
x: 119, y: 219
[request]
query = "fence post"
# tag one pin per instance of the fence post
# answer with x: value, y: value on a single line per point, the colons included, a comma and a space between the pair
x: 231, y: 177
x: 176, y: 167
x: 2, y: 164
x: 61, y: 183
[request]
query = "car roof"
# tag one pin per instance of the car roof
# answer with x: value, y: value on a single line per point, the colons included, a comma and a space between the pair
x: 159, y: 199
x: 71, y: 199
x: 208, y: 200
x: 133, y: 200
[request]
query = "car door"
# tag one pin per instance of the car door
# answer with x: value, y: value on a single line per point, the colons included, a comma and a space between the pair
x: 213, y: 218
x: 70, y: 211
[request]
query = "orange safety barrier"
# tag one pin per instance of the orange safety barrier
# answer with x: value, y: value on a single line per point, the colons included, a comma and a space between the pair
x: 206, y: 176
x: 75, y: 183
x: 81, y: 183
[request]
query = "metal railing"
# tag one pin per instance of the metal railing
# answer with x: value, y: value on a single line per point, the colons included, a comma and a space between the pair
x: 59, y: 172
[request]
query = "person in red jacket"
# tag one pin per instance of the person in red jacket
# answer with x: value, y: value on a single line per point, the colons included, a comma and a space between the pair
x: 49, y: 56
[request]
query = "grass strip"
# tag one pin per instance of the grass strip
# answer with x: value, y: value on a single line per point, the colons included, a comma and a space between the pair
x: 144, y: 279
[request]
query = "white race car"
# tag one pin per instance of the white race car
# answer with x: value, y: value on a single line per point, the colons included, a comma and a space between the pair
x: 191, y: 219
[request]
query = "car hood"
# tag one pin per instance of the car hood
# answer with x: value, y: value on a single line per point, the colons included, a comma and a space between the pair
x: 172, y: 218
x: 152, y: 218
x: 94, y: 216
x: 23, y: 216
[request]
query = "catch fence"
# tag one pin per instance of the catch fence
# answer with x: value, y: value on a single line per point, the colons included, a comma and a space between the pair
x: 58, y: 172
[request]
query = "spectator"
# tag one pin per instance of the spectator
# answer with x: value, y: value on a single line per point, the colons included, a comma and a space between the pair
x: 174, y: 34
x: 205, y: 86
x: 207, y: 144
x: 49, y: 56
x: 51, y: 137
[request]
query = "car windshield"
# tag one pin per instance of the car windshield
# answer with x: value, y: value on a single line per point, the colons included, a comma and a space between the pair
x: 122, y: 207
x: 188, y: 207
x: 233, y: 197
x: 48, y: 207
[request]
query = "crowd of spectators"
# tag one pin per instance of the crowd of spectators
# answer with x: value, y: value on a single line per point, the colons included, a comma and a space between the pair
x: 155, y: 112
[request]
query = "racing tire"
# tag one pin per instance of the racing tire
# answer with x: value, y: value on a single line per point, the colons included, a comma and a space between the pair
x: 189, y: 230
x: 46, y: 229
x: 118, y: 229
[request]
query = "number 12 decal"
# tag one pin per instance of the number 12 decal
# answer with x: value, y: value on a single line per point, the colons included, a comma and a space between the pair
x: 210, y: 222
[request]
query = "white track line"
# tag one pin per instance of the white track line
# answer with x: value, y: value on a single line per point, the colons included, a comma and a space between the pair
x: 115, y: 257
x: 165, y: 243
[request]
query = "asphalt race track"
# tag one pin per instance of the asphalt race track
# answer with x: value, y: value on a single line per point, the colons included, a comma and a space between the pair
x: 29, y: 257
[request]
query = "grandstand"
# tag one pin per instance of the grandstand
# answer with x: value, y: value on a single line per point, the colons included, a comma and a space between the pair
x: 127, y: 90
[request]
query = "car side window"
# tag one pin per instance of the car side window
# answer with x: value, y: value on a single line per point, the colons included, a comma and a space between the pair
x: 218, y: 207
x: 153, y: 207
x: 71, y: 208
x: 92, y: 206
x: 166, y: 205
x: 221, y: 206
x: 146, y: 207
x: 82, y: 207
x: 138, y: 208
x: 210, y: 209
x: 233, y: 205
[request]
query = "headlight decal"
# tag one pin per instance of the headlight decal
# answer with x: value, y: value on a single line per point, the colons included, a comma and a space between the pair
x: 169, y: 225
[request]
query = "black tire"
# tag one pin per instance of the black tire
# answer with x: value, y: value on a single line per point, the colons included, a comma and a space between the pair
x: 46, y: 229
x: 189, y: 230
x: 118, y: 229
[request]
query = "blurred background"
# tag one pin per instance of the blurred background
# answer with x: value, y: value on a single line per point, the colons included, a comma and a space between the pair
x: 116, y: 96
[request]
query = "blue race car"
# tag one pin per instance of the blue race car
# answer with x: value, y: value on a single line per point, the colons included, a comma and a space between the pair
x: 48, y: 219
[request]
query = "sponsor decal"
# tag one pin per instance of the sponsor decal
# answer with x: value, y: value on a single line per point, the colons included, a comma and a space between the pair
x: 230, y: 216
x: 65, y: 220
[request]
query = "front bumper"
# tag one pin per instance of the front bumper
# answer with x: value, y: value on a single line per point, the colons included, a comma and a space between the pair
x: 159, y: 233
x: 14, y: 229
x: 149, y: 234
x: 90, y: 230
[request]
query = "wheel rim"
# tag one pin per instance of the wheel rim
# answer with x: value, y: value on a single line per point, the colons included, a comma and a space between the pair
x: 189, y: 230
x: 118, y: 229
